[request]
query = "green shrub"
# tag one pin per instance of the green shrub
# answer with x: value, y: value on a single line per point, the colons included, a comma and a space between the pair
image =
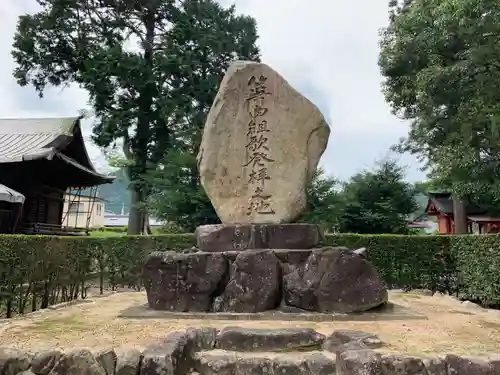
x: 122, y: 229
x: 478, y: 261
x: 37, y: 271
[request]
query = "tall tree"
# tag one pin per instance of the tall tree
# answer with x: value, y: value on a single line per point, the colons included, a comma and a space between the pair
x: 324, y: 202
x: 440, y: 60
x: 377, y: 201
x: 135, y: 91
x: 178, y: 196
x: 203, y: 56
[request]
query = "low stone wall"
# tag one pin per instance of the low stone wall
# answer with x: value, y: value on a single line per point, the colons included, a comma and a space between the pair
x: 326, y: 280
x: 238, y: 351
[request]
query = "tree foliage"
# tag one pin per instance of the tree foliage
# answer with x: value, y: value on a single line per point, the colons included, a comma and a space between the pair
x: 149, y: 68
x: 440, y: 60
x: 377, y: 201
x: 178, y: 195
x: 323, y: 202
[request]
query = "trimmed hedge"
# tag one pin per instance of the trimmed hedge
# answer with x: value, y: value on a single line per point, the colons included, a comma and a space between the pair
x: 37, y: 271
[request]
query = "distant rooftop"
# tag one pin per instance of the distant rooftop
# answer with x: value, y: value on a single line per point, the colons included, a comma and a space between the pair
x: 27, y: 139
x: 115, y: 220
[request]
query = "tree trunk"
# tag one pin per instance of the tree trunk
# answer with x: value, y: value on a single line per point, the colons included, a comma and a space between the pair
x: 138, y: 212
x: 135, y: 215
x: 460, y: 216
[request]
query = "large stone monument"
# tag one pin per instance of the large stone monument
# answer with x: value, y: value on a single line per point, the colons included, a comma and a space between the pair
x: 260, y: 148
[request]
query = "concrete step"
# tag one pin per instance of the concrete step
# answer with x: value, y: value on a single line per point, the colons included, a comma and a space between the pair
x: 223, y: 362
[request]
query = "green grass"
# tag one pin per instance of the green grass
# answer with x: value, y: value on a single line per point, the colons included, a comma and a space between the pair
x: 60, y: 324
x: 106, y: 233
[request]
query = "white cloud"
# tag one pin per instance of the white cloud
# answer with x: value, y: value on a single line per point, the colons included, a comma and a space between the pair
x: 328, y: 50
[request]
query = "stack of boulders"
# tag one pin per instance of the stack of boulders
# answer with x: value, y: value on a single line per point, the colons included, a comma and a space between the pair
x: 208, y: 351
x: 260, y: 148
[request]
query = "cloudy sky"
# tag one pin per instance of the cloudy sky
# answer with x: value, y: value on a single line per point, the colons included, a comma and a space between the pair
x: 327, y: 49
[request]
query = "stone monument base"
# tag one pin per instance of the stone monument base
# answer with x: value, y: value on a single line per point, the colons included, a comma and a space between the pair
x: 326, y: 280
x: 224, y: 237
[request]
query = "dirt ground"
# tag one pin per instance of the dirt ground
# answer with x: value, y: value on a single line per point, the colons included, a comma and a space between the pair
x: 447, y: 326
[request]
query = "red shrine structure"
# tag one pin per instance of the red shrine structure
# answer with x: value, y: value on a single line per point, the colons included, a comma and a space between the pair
x: 440, y: 205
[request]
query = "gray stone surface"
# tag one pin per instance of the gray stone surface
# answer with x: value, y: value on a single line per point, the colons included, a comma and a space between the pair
x: 183, y: 282
x: 268, y: 340
x: 167, y: 357
x: 261, y: 145
x: 254, y: 285
x: 13, y: 361
x: 467, y: 366
x: 107, y: 359
x: 359, y: 362
x: 44, y: 361
x: 128, y: 361
x: 343, y: 340
x: 77, y: 362
x: 397, y: 364
x: 328, y: 280
x: 199, y: 339
x: 196, y: 352
x: 335, y: 280
x: 218, y: 238
x: 435, y: 366
x: 232, y: 363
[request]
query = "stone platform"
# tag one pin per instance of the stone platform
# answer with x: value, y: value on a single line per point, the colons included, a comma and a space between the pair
x: 326, y: 280
x: 386, y: 312
x: 222, y: 237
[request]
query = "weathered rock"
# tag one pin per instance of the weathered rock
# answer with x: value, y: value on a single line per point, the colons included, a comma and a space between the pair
x: 43, y: 362
x: 401, y: 364
x: 26, y: 372
x: 293, y: 258
x: 107, y: 359
x: 183, y: 282
x: 348, y: 346
x: 128, y: 362
x: 335, y: 280
x: 218, y: 238
x: 14, y: 361
x: 319, y: 364
x: 229, y: 363
x: 467, y: 366
x: 358, y: 362
x: 435, y: 366
x: 77, y: 362
x: 167, y: 357
x: 199, y: 339
x: 261, y: 145
x: 289, y: 366
x: 262, y: 340
x: 495, y: 364
x: 253, y: 365
x: 361, y: 252
x: 343, y: 340
x: 210, y: 363
x: 255, y: 284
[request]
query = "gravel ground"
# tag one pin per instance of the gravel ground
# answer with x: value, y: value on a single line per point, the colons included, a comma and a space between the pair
x: 450, y: 326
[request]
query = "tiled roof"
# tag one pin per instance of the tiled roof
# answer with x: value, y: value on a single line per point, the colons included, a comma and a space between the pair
x: 43, y: 138
x: 444, y: 204
x: 29, y: 139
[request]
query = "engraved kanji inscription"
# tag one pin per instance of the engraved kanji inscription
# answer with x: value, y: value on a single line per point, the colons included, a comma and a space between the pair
x: 260, y: 203
x: 258, y: 153
x: 258, y: 176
